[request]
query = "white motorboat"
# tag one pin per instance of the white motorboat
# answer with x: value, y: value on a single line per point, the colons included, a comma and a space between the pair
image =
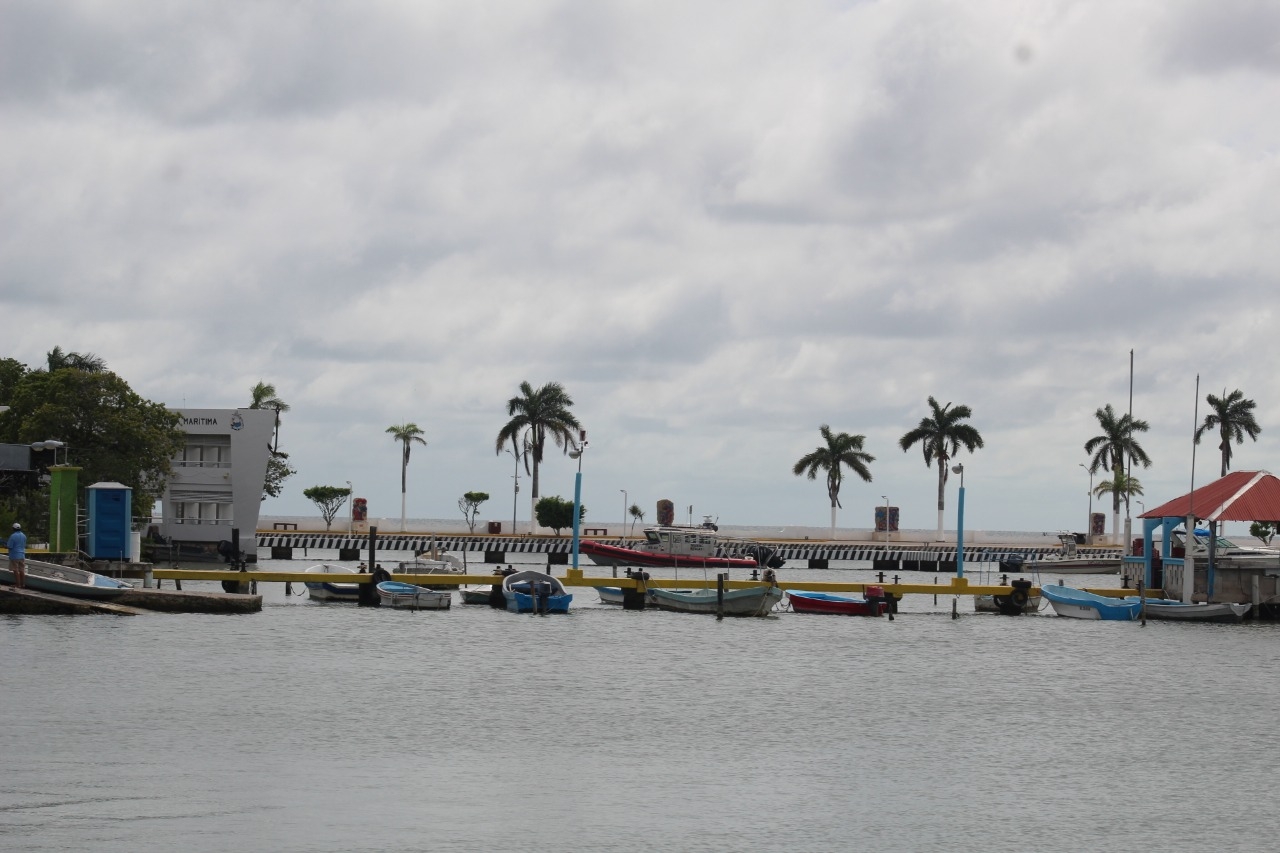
x: 332, y: 590
x: 1174, y: 610
x: 65, y: 580
x: 407, y: 596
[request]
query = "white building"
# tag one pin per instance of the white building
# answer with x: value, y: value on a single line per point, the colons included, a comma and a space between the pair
x: 217, y: 479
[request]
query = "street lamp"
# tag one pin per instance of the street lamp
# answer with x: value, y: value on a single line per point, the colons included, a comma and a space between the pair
x: 576, y: 453
x: 959, y: 469
x: 515, y: 494
x: 52, y: 444
x: 624, y: 512
x: 1089, y: 526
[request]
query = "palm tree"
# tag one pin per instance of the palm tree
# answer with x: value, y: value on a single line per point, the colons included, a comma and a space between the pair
x: 88, y: 362
x: 1110, y: 449
x: 941, y: 436
x: 841, y: 449
x: 637, y: 514
x: 535, y: 415
x: 1232, y: 416
x: 1124, y: 484
x: 264, y: 397
x: 408, y: 435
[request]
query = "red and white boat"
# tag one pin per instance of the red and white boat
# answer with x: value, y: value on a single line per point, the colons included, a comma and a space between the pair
x: 680, y: 547
x: 825, y: 602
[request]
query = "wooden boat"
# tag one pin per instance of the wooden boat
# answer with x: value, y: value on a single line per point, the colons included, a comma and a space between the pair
x: 1172, y: 609
x: 825, y: 602
x: 65, y: 580
x: 613, y: 594
x: 475, y: 594
x: 407, y: 596
x: 327, y: 590
x: 1078, y: 604
x: 694, y: 547
x: 753, y: 601
x: 535, y: 592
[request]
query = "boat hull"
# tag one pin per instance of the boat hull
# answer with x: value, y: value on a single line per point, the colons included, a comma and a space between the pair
x: 332, y: 590
x: 1078, y: 604
x: 406, y: 596
x: 812, y: 602
x: 535, y: 592
x: 988, y: 604
x: 65, y: 580
x: 754, y: 601
x: 612, y: 555
x: 1073, y: 567
x: 1177, y: 611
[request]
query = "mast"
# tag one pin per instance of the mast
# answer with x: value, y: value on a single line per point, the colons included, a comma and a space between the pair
x: 1188, y: 559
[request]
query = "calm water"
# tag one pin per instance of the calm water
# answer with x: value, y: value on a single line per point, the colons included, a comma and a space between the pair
x: 313, y: 727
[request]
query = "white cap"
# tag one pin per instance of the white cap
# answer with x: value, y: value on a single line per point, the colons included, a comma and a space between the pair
x: 17, y: 526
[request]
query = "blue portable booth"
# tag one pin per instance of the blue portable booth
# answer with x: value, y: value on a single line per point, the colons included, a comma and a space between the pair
x: 109, y: 514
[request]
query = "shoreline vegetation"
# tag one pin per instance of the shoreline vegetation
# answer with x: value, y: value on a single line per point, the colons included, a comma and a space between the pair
x: 921, y: 537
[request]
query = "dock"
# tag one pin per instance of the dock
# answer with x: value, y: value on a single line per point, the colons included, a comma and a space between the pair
x: 133, y: 602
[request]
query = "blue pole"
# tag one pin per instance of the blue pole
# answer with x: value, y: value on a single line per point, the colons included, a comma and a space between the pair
x: 960, y: 537
x: 577, y: 504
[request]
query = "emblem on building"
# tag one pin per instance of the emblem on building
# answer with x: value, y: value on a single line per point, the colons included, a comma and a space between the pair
x: 237, y: 422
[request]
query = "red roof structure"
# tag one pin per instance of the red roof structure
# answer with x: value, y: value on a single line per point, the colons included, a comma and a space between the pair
x: 1239, y: 496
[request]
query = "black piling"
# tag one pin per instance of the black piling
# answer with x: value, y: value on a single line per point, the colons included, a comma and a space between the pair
x: 368, y: 596
x: 720, y: 579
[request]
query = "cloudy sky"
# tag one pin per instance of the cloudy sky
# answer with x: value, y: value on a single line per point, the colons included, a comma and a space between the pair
x: 718, y: 225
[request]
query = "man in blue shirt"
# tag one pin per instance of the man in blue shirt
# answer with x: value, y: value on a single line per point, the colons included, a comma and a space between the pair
x: 18, y: 556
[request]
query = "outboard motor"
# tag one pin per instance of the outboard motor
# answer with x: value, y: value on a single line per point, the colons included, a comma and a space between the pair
x: 1013, y: 563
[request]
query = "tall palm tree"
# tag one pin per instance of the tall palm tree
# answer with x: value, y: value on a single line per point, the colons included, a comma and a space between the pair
x: 1232, y: 417
x: 637, y: 514
x: 408, y: 435
x: 264, y: 397
x: 535, y: 415
x: 841, y: 449
x: 940, y: 437
x: 1110, y: 449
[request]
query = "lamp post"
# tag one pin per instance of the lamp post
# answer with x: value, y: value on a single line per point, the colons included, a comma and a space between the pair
x: 577, y: 491
x: 1089, y: 526
x: 351, y: 507
x: 515, y: 493
x: 959, y: 469
x: 624, y: 512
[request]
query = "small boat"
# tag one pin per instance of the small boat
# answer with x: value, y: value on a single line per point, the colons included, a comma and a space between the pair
x: 1078, y: 604
x: 445, y: 564
x: 1172, y: 609
x: 1006, y: 604
x: 535, y: 592
x: 614, y: 594
x: 475, y: 594
x: 327, y: 590
x: 752, y: 601
x: 825, y: 602
x: 1067, y: 561
x: 65, y: 580
x: 407, y: 596
x: 693, y: 547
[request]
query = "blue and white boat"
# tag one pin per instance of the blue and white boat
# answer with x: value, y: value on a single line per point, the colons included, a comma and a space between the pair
x: 535, y: 592
x: 1078, y: 604
x: 407, y: 596
x: 331, y: 590
x: 65, y: 580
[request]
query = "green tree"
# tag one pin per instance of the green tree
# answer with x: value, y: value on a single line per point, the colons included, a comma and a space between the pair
x: 941, y: 436
x: 535, y: 415
x: 469, y: 504
x: 56, y: 359
x: 329, y: 499
x: 408, y: 435
x: 1232, y: 417
x: 110, y: 432
x: 840, y: 450
x: 1264, y: 530
x: 557, y: 513
x: 637, y: 514
x: 1108, y: 452
x: 278, y: 470
x: 1124, y: 484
